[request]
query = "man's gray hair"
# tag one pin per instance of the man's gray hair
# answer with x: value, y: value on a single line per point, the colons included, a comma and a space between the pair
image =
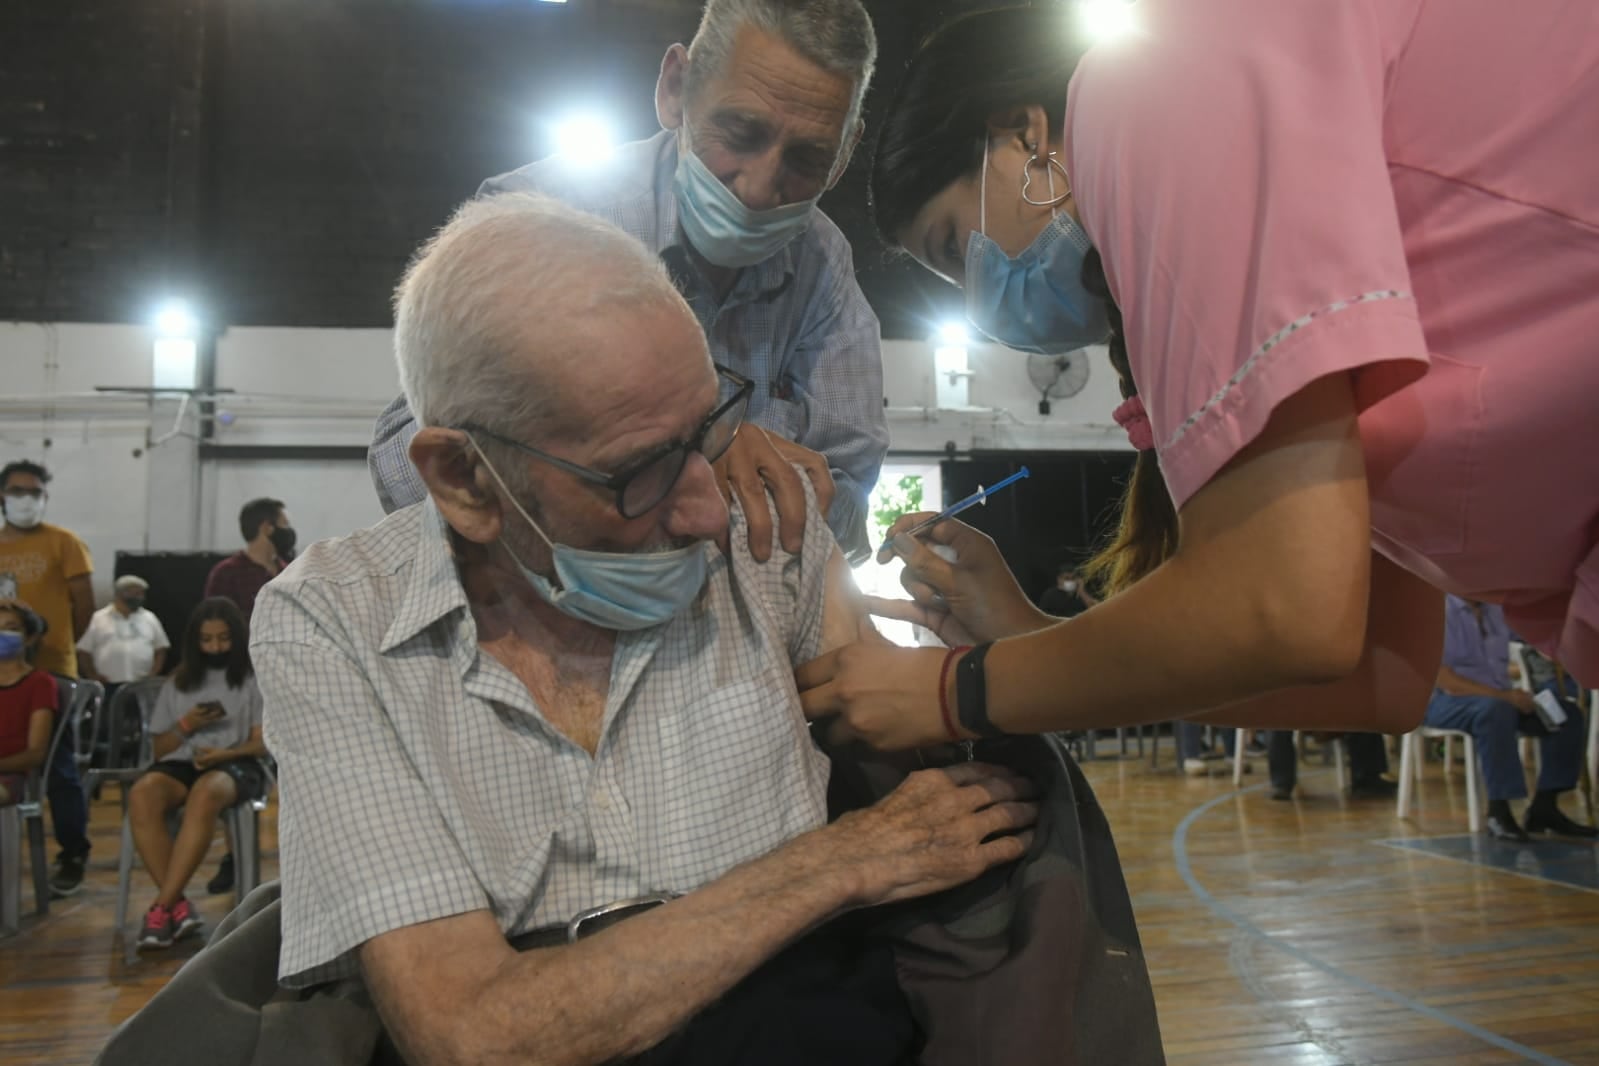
x: 491, y: 302
x: 836, y: 35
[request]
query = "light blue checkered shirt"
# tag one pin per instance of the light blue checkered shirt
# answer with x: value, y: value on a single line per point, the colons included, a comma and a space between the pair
x: 797, y: 324
x: 419, y: 780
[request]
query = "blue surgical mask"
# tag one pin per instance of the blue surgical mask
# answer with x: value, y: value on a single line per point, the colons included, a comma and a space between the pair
x: 720, y: 227
x: 11, y: 646
x: 1035, y: 302
x: 612, y: 590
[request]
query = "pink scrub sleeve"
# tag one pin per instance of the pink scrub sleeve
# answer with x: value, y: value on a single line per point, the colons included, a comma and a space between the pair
x: 1227, y: 161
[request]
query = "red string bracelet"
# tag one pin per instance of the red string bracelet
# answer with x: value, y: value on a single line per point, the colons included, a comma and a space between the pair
x: 943, y: 699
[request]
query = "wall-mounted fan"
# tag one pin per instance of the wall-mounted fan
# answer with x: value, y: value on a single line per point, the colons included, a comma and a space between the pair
x: 1057, y: 377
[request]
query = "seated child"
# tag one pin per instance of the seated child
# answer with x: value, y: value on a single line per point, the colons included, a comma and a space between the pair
x: 207, y: 733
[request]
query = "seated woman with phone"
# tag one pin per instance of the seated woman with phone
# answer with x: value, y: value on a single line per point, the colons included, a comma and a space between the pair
x: 207, y: 734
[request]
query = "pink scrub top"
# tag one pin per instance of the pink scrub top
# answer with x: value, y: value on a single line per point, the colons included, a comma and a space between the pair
x: 1403, y: 190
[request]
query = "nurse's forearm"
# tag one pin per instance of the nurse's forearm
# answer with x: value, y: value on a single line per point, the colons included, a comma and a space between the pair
x: 1389, y: 690
x: 1166, y: 648
x: 1269, y: 591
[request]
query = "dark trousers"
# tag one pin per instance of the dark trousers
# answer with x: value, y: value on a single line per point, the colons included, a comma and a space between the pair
x: 1494, y: 725
x: 832, y: 998
x: 1368, y: 757
x: 69, y: 807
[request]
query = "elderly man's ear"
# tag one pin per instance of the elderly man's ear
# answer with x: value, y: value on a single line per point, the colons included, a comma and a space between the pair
x: 461, y: 487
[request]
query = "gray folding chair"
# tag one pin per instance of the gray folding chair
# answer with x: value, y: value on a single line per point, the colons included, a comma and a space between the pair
x: 76, y: 698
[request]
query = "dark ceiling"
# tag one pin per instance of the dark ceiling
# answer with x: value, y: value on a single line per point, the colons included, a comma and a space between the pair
x: 280, y: 159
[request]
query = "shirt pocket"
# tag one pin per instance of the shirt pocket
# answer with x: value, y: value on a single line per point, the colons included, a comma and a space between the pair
x: 741, y: 777
x: 1422, y: 452
x: 789, y: 419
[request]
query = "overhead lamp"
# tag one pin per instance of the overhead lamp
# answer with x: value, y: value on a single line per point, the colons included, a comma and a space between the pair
x: 176, y: 353
x: 585, y: 139
x: 1105, y: 19
x: 176, y: 319
x: 951, y: 368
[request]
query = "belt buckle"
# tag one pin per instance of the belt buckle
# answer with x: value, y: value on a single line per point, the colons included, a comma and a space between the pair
x: 598, y: 919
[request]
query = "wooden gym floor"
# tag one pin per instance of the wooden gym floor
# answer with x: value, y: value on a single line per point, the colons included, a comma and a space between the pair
x: 1284, y: 933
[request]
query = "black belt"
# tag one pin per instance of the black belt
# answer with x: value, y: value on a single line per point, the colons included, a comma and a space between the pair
x: 587, y: 923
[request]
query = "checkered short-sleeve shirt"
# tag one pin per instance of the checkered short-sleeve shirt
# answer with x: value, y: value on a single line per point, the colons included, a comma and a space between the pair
x: 419, y: 779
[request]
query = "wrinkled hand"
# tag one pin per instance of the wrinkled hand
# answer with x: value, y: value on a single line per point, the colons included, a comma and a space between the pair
x: 817, y: 472
x: 882, y: 694
x: 205, y: 758
x: 969, y: 601
x: 938, y: 829
x: 1523, y: 701
x: 751, y: 466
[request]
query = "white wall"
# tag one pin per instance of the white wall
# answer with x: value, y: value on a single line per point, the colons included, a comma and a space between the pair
x: 124, y: 480
x: 1004, y: 401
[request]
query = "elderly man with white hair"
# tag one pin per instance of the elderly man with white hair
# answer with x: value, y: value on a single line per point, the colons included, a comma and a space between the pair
x: 760, y: 114
x: 552, y: 704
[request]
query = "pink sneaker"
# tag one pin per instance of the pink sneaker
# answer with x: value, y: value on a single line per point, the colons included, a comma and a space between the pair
x: 185, y: 919
x: 157, y: 929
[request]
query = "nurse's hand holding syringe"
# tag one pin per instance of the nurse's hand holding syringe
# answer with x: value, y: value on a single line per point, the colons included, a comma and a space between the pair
x: 961, y: 588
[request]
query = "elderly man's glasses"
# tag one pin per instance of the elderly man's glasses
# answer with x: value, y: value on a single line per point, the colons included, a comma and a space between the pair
x: 647, y: 482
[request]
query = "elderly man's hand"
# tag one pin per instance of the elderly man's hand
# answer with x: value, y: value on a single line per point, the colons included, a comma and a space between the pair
x: 759, y: 461
x: 938, y: 829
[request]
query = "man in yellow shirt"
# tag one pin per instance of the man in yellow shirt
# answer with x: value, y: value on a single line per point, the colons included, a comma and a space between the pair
x: 49, y: 568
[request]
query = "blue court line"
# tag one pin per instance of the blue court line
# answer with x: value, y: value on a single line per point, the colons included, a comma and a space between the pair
x: 1179, y: 847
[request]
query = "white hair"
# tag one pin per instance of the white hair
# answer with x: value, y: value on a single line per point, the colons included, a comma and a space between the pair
x: 488, y: 307
x: 836, y: 35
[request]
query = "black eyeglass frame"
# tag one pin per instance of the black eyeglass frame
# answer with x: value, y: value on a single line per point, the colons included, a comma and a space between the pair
x: 618, y: 482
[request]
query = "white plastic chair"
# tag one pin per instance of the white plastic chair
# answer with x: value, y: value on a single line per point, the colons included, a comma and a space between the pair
x: 1410, y: 762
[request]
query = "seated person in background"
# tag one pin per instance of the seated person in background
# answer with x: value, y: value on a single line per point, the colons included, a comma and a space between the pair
x: 1192, y: 751
x: 27, y: 699
x: 124, y: 642
x: 1368, y: 761
x: 1068, y: 597
x: 207, y: 734
x: 562, y: 682
x: 1474, y: 696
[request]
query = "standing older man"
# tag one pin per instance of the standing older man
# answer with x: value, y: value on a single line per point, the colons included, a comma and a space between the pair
x: 761, y: 112
x: 561, y: 683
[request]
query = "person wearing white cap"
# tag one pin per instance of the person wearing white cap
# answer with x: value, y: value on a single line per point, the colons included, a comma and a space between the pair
x: 124, y: 641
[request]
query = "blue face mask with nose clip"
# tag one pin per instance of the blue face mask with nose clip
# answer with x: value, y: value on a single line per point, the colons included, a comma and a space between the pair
x: 1035, y: 302
x: 720, y: 227
x: 622, y: 591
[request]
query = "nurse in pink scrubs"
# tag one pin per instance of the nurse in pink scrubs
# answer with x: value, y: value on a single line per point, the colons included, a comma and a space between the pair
x: 1349, y: 259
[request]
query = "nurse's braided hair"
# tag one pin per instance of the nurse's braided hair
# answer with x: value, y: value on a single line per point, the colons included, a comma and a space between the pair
x: 1146, y: 535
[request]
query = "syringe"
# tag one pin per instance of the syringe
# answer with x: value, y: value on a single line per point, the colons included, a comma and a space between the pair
x: 886, y: 552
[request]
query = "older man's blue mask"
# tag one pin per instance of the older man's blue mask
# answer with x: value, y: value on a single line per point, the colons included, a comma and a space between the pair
x: 612, y: 590
x: 720, y: 227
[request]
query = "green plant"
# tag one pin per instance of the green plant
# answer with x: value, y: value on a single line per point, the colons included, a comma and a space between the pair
x: 890, y: 501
